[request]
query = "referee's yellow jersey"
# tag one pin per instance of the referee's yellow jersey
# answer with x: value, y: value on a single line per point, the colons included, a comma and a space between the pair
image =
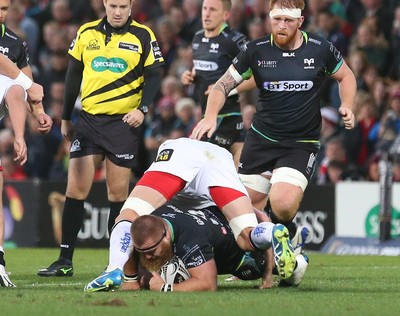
x: 113, y: 65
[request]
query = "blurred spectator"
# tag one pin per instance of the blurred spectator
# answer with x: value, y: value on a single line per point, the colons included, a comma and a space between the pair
x: 329, y: 129
x: 375, y: 47
x: 358, y: 63
x: 357, y: 144
x: 380, y: 95
x: 379, y: 9
x: 25, y: 27
x: 370, y: 76
x: 61, y: 12
x: 6, y: 141
x: 237, y: 18
x: 334, y: 151
x: 167, y: 40
x: 56, y: 71
x: 184, y: 112
x: 59, y: 168
x: 372, y: 172
x: 192, y: 9
x: 256, y: 29
x: 177, y: 15
x: 384, y: 132
x: 98, y: 10
x: 162, y: 9
x: 328, y: 27
x: 313, y: 8
x: 41, y: 150
x: 182, y: 62
x: 259, y: 9
x: 171, y: 88
x: 160, y: 127
x: 396, y: 168
x: 336, y: 171
x: 11, y: 169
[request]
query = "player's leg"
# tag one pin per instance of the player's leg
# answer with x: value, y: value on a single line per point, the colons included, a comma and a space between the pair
x: 250, y: 234
x: 4, y: 278
x: 236, y: 150
x: 81, y: 171
x: 117, y: 179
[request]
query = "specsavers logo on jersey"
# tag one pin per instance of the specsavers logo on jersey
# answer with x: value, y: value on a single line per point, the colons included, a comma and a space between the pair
x: 288, y: 85
x: 101, y: 64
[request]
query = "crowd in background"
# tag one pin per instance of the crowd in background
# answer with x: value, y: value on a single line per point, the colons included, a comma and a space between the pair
x: 367, y: 32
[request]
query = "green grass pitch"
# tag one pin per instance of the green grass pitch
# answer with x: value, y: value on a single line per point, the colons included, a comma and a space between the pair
x: 333, y: 285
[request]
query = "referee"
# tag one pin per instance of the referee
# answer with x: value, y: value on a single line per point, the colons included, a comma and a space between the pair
x: 117, y: 61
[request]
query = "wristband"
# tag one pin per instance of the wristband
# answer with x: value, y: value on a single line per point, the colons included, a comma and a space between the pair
x: 24, y: 80
x: 131, y: 277
x: 166, y: 288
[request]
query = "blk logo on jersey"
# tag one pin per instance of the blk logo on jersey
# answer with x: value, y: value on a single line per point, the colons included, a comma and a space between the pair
x: 164, y: 155
x: 286, y: 54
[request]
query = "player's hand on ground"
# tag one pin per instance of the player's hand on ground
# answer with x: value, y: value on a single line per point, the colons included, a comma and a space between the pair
x: 347, y: 116
x: 45, y: 123
x: 187, y: 77
x: 130, y: 286
x: 267, y: 283
x: 204, y: 127
x: 35, y: 93
x: 67, y: 129
x: 21, y: 154
x: 155, y: 282
x: 134, y: 118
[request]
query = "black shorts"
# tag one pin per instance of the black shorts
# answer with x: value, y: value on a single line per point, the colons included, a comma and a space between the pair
x: 260, y: 155
x: 229, y: 131
x: 108, y: 135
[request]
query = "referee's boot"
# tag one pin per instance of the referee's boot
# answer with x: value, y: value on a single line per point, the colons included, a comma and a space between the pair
x: 61, y: 267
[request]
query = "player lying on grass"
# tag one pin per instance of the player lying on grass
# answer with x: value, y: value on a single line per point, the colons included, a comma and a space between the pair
x: 204, y: 242
x: 202, y: 174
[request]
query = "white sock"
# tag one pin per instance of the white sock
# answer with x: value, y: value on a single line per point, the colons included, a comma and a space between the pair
x: 120, y: 245
x: 2, y: 249
x: 261, y: 235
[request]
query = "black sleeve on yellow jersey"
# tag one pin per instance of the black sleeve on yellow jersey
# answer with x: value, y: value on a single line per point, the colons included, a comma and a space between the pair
x: 152, y: 83
x: 73, y: 81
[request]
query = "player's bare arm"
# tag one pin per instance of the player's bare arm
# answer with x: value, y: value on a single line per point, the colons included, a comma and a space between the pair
x: 347, y: 93
x: 215, y: 102
x: 203, y: 278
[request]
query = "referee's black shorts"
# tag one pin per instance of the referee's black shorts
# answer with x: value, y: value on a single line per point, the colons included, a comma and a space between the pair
x: 108, y: 135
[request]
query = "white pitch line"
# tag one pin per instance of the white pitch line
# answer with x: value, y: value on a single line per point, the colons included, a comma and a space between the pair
x: 55, y: 284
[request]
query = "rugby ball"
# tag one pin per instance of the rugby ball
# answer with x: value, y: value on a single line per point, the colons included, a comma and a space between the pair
x: 174, y: 271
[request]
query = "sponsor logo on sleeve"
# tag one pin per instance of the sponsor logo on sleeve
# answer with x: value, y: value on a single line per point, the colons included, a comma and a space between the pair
x: 156, y: 50
x: 164, y: 155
